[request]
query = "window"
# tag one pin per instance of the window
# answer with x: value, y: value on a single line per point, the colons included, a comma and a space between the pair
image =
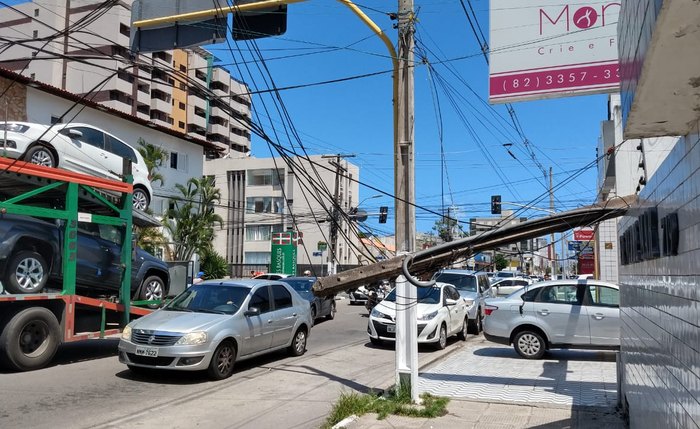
x: 91, y: 136
x: 562, y: 294
x: 260, y: 300
x: 32, y: 77
x: 180, y: 124
x: 257, y: 258
x: 451, y: 293
x: 261, y: 232
x: 120, y: 149
x: 35, y: 34
x: 283, y: 298
x: 265, y: 177
x: 460, y: 281
x: 36, y: 12
x: 604, y: 296
x: 265, y: 205
x: 183, y: 68
x: 178, y: 161
x: 530, y: 295
x: 181, y: 106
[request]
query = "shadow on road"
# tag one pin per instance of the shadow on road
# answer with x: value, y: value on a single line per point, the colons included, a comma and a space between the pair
x: 562, y: 355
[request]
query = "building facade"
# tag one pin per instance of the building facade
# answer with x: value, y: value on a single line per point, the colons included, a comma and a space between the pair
x: 178, y: 89
x: 659, y: 247
x: 262, y: 196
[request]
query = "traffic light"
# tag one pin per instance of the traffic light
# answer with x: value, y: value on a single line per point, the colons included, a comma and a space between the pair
x: 383, y: 211
x: 495, y: 204
x: 259, y: 23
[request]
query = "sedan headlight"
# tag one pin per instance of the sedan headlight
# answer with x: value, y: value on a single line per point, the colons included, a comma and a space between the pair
x: 17, y: 128
x: 428, y: 316
x: 469, y: 302
x: 378, y: 314
x: 126, y: 333
x: 192, y: 339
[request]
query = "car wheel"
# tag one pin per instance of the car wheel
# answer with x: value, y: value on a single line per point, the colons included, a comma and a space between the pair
x: 140, y: 200
x: 27, y: 272
x: 30, y: 339
x: 40, y: 155
x: 442, y: 340
x: 462, y: 335
x: 221, y: 365
x: 529, y: 344
x: 298, y: 346
x: 331, y: 315
x: 152, y: 289
x: 479, y: 323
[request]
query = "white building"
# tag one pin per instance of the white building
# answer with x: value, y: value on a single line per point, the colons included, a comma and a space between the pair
x: 179, y: 89
x: 659, y: 238
x: 619, y: 174
x: 261, y: 196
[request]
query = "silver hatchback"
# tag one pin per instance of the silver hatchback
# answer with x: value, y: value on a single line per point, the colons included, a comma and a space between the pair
x: 213, y: 324
x: 557, y: 314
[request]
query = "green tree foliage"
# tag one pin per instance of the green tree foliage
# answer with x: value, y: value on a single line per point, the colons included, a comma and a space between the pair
x: 500, y: 261
x: 448, y: 229
x: 214, y: 265
x: 192, y: 220
x: 154, y: 157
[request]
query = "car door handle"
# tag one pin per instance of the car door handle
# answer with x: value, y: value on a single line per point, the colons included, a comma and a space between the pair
x: 269, y: 320
x: 544, y: 312
x: 294, y: 314
x: 598, y: 316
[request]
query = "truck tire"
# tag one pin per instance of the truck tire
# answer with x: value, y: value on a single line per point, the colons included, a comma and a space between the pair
x: 152, y: 288
x: 27, y: 272
x: 30, y: 339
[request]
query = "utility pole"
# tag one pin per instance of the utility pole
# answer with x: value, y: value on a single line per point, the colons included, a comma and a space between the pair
x: 335, y: 212
x: 404, y: 189
x: 551, y: 237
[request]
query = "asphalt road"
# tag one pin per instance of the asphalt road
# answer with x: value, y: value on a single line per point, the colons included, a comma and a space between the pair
x: 87, y: 386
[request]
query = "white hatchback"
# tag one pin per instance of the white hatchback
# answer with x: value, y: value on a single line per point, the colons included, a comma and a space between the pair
x: 442, y: 312
x: 76, y: 147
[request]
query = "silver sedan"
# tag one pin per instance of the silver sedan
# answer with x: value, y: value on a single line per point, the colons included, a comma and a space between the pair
x: 213, y: 324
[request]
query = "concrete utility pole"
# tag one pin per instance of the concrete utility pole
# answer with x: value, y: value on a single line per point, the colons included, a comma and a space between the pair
x: 551, y: 237
x: 404, y: 190
x: 335, y: 212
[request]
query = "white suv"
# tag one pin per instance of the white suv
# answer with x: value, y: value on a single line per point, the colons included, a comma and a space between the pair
x: 474, y: 286
x: 77, y: 147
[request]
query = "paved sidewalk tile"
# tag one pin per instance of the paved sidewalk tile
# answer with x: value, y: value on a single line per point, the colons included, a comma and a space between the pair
x: 486, y: 371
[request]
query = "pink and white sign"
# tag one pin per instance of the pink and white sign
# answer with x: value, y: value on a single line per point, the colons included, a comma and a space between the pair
x: 552, y: 48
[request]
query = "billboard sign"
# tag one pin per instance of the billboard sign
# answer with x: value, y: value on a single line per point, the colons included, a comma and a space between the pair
x: 581, y: 234
x: 284, y: 252
x: 552, y: 48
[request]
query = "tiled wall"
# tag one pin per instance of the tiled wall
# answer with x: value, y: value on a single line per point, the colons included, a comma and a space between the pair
x: 660, y: 304
x: 607, y: 260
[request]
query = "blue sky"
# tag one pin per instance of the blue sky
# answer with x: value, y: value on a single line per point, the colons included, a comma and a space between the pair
x: 355, y: 116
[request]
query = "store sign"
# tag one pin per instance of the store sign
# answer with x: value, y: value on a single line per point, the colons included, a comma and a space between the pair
x: 284, y: 252
x: 552, y: 48
x: 584, y: 234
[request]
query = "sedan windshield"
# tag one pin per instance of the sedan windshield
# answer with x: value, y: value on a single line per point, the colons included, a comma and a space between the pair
x: 210, y: 298
x: 460, y: 281
x: 426, y: 295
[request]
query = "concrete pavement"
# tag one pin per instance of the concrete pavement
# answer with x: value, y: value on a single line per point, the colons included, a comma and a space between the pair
x: 489, y: 386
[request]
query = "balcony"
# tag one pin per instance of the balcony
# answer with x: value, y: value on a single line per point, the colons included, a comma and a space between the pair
x: 221, y: 130
x: 161, y: 105
x: 659, y: 65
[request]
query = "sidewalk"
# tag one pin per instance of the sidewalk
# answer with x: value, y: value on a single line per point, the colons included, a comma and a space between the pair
x: 489, y: 386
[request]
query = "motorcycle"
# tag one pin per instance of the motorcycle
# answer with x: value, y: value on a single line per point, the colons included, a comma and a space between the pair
x: 376, y: 293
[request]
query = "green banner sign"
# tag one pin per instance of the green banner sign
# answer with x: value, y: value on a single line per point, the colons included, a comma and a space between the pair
x: 284, y: 252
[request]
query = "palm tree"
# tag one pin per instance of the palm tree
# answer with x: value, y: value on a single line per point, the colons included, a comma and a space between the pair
x: 154, y: 157
x: 191, y: 222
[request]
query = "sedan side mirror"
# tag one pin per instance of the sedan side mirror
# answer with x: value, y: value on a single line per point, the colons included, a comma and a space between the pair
x: 449, y: 301
x: 252, y: 311
x: 76, y: 134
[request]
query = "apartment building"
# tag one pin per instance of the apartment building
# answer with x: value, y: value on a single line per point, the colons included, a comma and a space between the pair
x: 261, y: 196
x: 180, y: 89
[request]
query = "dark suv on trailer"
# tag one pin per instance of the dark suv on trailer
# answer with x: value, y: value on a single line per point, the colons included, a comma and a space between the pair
x: 31, y: 258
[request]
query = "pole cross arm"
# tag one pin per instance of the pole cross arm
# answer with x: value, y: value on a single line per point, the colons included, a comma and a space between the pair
x: 428, y: 261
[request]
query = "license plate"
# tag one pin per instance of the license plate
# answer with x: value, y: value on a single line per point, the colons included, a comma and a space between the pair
x: 146, y: 351
x: 391, y: 328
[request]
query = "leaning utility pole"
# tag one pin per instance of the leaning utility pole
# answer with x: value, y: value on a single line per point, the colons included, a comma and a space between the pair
x: 552, y: 247
x: 404, y: 191
x: 335, y: 212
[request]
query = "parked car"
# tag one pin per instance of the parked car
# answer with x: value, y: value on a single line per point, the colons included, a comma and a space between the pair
x: 31, y: 258
x: 81, y: 148
x: 214, y: 324
x: 505, y: 275
x: 505, y: 287
x: 442, y: 312
x: 474, y: 286
x: 556, y: 314
x: 320, y: 306
x: 271, y: 276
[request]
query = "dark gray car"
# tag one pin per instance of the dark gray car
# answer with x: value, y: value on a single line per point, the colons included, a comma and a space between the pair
x: 320, y: 306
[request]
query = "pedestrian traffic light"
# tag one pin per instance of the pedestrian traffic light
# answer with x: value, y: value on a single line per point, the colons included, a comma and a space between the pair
x: 383, y: 211
x: 495, y: 204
